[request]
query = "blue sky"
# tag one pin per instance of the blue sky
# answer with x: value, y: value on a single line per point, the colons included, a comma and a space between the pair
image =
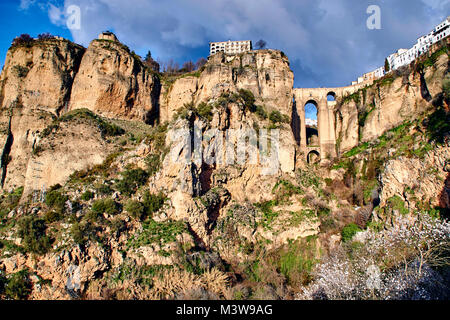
x: 327, y: 41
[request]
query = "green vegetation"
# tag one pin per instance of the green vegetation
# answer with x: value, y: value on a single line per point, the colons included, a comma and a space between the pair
x: 135, y: 209
x: 261, y: 112
x: 438, y: 125
x: 82, y: 232
x: 431, y: 60
x: 284, y: 189
x: 354, y: 96
x: 151, y: 203
x: 160, y: 233
x: 16, y: 286
x: 131, y: 180
x: 87, y: 195
x: 396, y: 203
x: 102, y: 206
x: 101, y: 170
x: 21, y: 71
x: 106, y: 128
x: 32, y: 230
x: 55, y: 199
x: 9, y: 202
x: 307, y: 178
x: 266, y: 207
x: 349, y: 231
x: 297, y: 261
x: 276, y: 117
x: 356, y: 150
x: 204, y: 111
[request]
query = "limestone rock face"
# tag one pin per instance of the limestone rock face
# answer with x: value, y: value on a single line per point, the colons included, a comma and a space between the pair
x: 266, y: 73
x: 388, y: 103
x: 40, y: 74
x: 35, y: 86
x: 424, y: 177
x: 112, y: 82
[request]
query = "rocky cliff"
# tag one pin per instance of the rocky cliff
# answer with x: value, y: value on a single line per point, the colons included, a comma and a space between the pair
x: 401, y: 95
x: 114, y: 82
x: 108, y: 193
x: 265, y: 73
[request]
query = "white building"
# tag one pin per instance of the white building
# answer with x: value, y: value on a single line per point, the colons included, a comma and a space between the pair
x: 405, y: 56
x: 442, y: 30
x: 230, y: 47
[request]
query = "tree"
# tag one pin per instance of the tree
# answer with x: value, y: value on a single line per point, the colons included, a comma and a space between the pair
x: 23, y: 39
x: 261, y: 44
x: 188, y: 66
x: 148, y: 56
x: 45, y: 36
x: 387, y: 67
x: 152, y: 64
x: 200, y: 63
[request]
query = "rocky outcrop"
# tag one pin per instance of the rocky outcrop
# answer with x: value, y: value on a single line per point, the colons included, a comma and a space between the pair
x: 401, y: 95
x: 35, y: 86
x: 415, y: 180
x: 266, y: 73
x: 113, y: 82
x: 39, y: 75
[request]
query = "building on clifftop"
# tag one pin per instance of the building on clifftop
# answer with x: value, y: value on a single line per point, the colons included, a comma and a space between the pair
x: 230, y: 47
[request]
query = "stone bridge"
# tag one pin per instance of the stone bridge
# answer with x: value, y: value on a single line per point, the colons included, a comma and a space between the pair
x: 325, y: 145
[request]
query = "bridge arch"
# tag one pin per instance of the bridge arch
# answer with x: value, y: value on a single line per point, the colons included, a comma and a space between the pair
x: 311, y: 110
x: 313, y: 157
x: 331, y: 96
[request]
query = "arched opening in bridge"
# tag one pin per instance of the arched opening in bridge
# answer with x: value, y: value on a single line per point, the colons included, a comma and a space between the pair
x: 331, y: 96
x: 295, y: 123
x: 313, y: 157
x: 312, y: 132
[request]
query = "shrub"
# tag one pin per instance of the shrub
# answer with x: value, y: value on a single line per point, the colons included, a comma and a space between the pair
x: 204, y: 110
x: 131, y: 180
x: 81, y: 232
x: 23, y: 39
x: 349, y: 231
x: 260, y: 112
x: 276, y: 117
x: 18, y: 286
x: 297, y: 260
x: 87, y: 195
x: 135, y: 209
x: 102, y: 206
x: 53, y: 216
x: 153, y: 162
x: 21, y: 71
x: 33, y: 233
x: 152, y: 203
x: 45, y: 36
x: 55, y: 199
x: 247, y: 98
x: 106, y: 128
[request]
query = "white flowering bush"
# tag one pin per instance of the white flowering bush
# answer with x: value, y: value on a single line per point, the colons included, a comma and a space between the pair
x: 408, y: 261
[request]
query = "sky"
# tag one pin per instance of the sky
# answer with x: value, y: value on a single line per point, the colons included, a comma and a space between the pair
x: 327, y: 41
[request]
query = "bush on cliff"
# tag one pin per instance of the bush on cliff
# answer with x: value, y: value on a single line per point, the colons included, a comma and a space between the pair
x: 32, y: 231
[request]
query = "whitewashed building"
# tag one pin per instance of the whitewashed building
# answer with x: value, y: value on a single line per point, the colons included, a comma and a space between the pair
x: 442, y: 30
x: 230, y: 47
x: 405, y: 56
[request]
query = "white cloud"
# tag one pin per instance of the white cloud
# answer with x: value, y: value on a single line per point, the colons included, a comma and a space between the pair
x: 56, y: 15
x: 26, y: 4
x: 326, y: 40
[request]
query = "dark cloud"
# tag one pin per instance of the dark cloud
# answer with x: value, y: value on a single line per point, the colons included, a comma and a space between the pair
x: 327, y: 41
